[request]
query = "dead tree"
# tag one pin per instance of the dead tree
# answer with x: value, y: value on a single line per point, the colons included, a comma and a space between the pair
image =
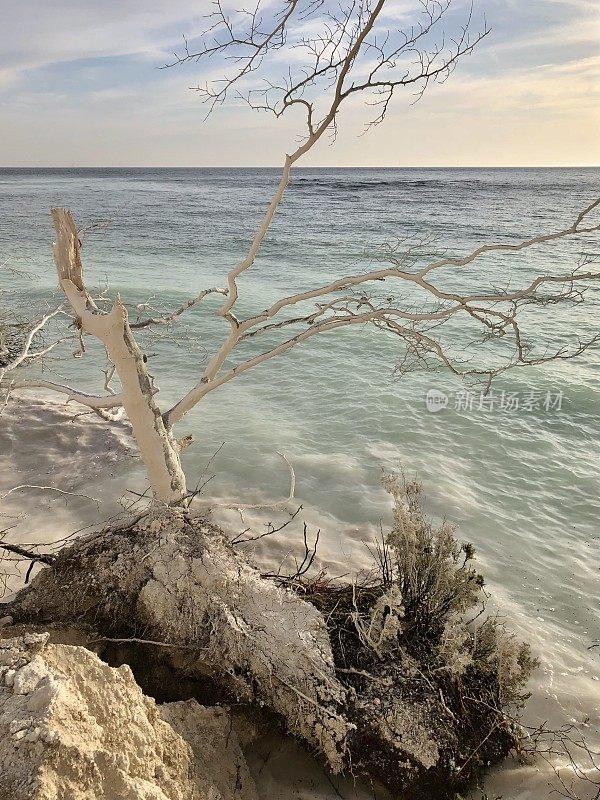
x: 348, y: 51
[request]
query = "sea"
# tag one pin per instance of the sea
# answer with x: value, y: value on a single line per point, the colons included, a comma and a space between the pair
x: 516, y: 468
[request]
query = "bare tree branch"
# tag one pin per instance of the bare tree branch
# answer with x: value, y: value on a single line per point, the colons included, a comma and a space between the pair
x: 73, y: 395
x: 362, y: 309
x: 22, y: 486
x: 168, y: 318
x: 25, y: 353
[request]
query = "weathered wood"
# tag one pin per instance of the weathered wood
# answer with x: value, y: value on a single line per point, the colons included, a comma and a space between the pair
x: 67, y: 248
x: 157, y: 446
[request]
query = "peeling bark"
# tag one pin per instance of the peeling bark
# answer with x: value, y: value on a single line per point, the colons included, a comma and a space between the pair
x: 157, y: 446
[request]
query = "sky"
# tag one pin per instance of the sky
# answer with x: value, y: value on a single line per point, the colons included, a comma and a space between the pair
x: 80, y: 85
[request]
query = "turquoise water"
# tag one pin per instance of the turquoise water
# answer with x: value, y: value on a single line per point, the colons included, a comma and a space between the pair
x: 521, y: 484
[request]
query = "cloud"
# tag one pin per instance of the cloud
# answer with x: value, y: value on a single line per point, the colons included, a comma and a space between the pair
x: 567, y: 88
x: 78, y: 83
x: 36, y: 33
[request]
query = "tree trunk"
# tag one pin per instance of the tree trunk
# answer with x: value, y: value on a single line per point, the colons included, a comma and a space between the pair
x: 158, y: 448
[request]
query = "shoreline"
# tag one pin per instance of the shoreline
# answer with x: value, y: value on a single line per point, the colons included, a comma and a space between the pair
x: 32, y: 416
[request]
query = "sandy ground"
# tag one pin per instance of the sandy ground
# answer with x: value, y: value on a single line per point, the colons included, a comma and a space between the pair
x: 80, y: 462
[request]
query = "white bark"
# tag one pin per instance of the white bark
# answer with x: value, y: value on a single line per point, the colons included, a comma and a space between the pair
x: 157, y: 446
x: 73, y: 395
x: 315, y: 134
x: 342, y: 316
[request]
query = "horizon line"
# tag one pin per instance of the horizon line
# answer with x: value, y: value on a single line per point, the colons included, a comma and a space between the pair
x: 299, y: 167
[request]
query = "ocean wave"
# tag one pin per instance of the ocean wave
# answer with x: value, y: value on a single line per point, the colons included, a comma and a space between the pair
x: 366, y: 185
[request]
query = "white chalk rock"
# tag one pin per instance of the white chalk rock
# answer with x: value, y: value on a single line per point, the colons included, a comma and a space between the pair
x: 73, y: 727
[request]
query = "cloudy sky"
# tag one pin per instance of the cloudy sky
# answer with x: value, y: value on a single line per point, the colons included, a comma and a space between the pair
x: 80, y: 86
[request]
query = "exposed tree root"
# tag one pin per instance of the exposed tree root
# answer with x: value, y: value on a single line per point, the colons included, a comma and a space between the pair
x: 422, y: 728
x: 418, y: 701
x: 175, y: 579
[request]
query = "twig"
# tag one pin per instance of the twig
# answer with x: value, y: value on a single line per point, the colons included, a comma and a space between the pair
x: 44, y: 558
x: 269, y: 532
x: 135, y: 640
x: 49, y: 489
x: 269, y: 504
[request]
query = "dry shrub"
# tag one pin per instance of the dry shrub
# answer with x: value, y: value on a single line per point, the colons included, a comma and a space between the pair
x: 443, y: 599
x: 414, y: 635
x: 428, y: 566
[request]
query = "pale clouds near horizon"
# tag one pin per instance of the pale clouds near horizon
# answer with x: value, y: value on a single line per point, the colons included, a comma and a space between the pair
x: 79, y: 85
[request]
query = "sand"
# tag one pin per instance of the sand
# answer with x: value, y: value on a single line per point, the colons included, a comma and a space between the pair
x: 45, y: 443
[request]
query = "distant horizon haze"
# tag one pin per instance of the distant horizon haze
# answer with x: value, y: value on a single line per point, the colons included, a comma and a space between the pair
x: 298, y: 167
